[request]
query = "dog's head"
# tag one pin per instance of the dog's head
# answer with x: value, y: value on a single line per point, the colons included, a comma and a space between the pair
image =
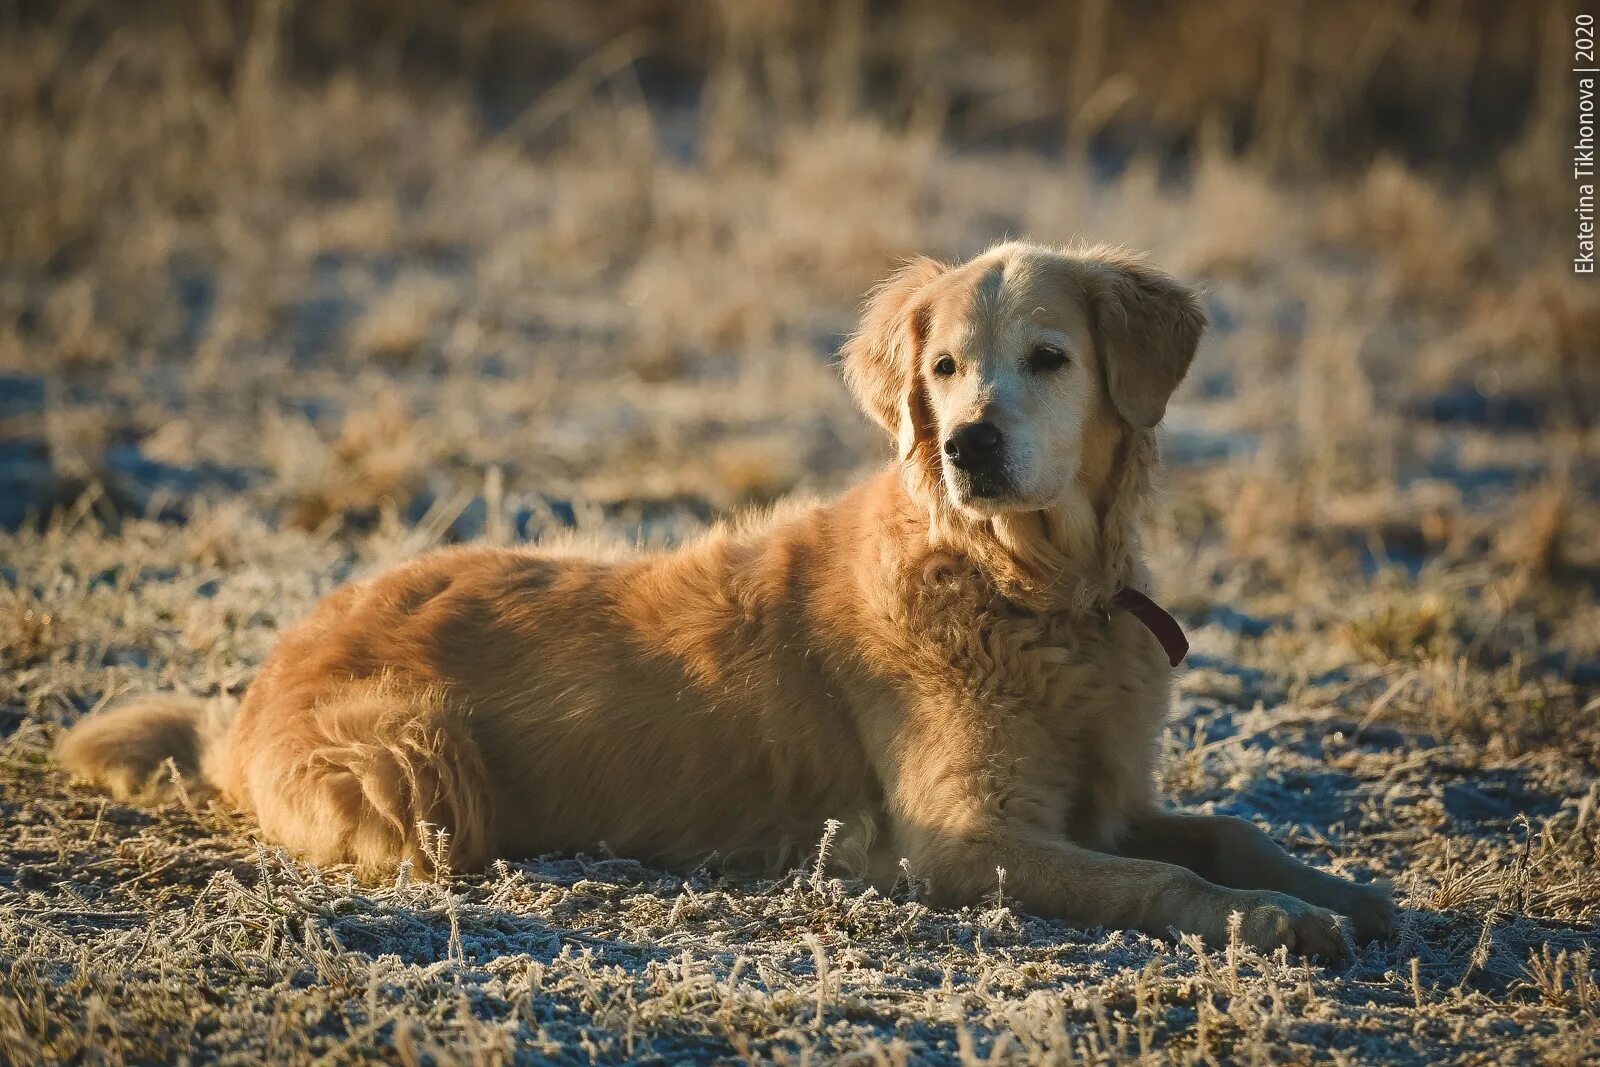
x: 999, y: 376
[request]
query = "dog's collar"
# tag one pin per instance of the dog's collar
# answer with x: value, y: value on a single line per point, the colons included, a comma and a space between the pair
x: 1156, y: 619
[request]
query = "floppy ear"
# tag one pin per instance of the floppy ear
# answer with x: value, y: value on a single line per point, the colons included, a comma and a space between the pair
x: 1147, y: 325
x: 880, y: 358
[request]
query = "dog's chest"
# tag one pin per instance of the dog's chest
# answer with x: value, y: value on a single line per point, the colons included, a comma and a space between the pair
x: 1083, y: 734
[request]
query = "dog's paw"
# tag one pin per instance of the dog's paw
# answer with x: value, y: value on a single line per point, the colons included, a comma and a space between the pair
x: 1274, y: 919
x: 1371, y: 910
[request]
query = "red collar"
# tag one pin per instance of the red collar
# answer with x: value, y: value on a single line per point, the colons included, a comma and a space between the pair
x: 1157, y: 620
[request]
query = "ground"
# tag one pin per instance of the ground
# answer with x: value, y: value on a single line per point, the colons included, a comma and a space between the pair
x: 268, y: 322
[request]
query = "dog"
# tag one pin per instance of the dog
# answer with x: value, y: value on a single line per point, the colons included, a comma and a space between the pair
x: 955, y: 659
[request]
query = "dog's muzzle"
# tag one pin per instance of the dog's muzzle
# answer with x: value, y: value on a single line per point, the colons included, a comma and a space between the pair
x: 977, y: 450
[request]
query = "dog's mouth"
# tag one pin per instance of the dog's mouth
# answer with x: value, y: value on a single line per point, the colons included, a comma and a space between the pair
x: 986, y: 487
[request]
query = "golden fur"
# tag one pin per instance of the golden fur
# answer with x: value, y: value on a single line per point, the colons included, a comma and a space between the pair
x: 936, y: 669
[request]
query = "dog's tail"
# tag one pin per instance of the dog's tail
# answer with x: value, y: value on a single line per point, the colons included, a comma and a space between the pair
x: 150, y: 750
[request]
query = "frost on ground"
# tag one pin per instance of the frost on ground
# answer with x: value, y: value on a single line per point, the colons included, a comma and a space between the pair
x: 281, y: 306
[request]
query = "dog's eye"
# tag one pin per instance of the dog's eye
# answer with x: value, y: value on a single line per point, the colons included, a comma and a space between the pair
x: 1046, y: 358
x: 944, y: 366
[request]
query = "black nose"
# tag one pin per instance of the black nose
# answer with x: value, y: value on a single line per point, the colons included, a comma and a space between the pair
x: 974, y: 445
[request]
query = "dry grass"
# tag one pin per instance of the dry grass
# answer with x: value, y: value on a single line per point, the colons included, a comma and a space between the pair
x: 294, y: 291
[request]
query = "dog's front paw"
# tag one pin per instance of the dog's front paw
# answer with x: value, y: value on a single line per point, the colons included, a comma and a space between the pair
x: 1371, y: 910
x: 1273, y: 919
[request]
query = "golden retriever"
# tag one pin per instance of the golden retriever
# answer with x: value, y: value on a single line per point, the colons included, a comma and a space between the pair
x: 949, y: 659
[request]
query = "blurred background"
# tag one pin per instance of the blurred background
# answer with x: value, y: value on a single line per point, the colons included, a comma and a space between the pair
x: 397, y: 273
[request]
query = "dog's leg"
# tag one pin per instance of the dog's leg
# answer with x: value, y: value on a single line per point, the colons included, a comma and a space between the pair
x: 350, y: 781
x: 1051, y: 876
x: 1235, y: 853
